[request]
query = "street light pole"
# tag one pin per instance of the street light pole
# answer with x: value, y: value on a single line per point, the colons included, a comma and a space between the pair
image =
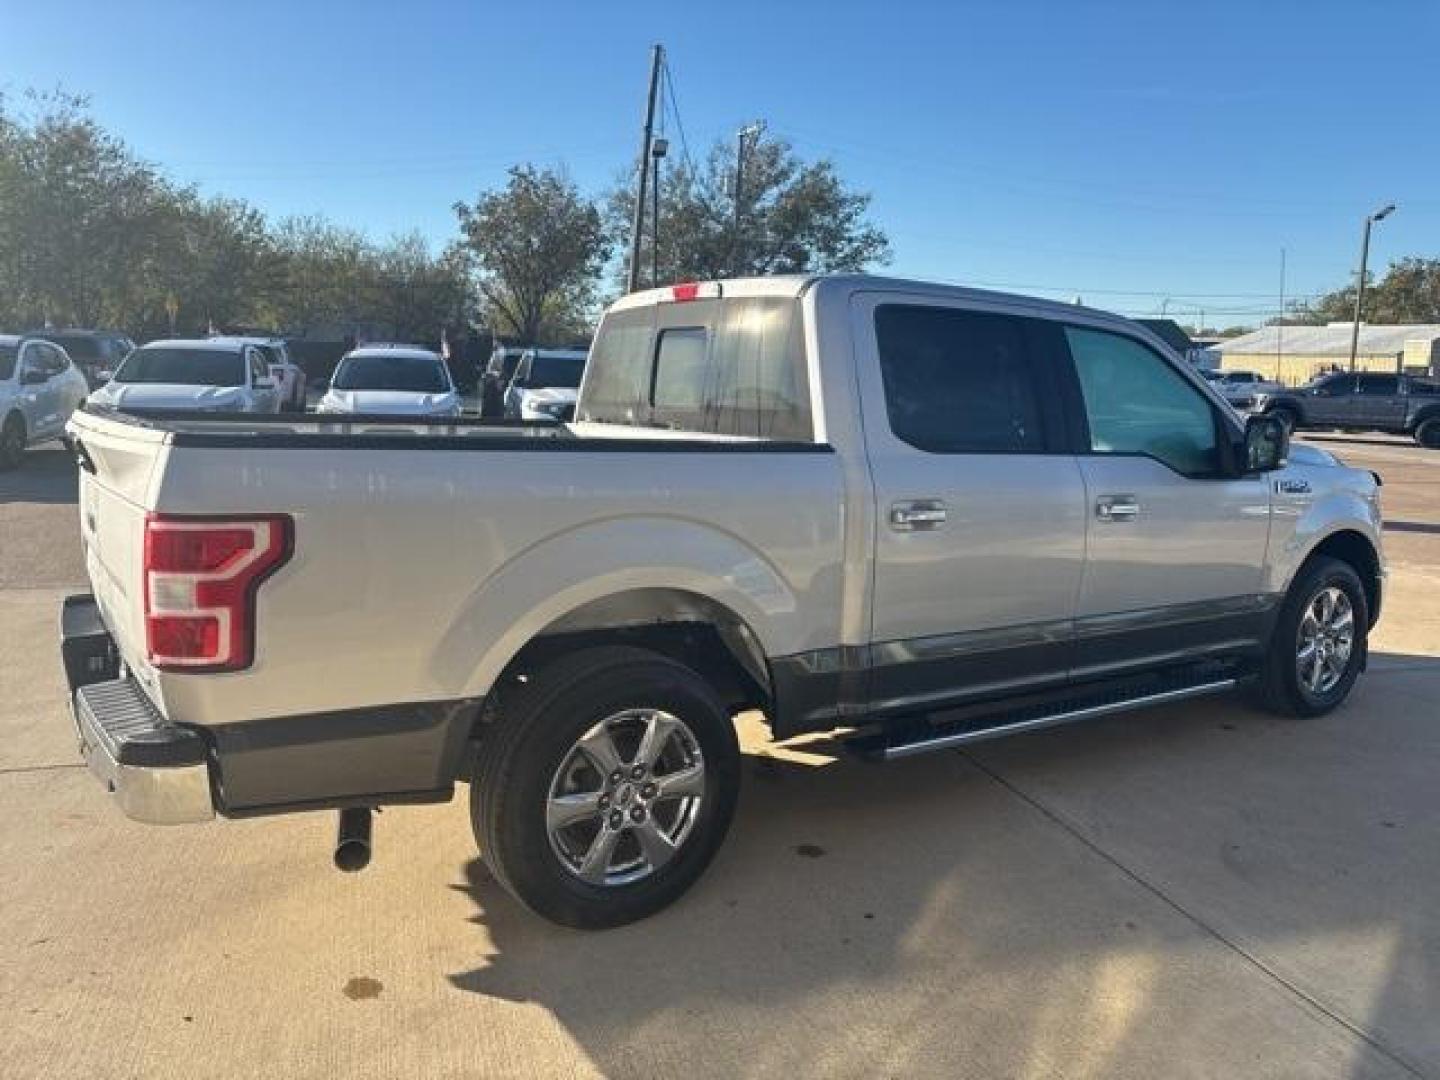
x: 1379, y: 215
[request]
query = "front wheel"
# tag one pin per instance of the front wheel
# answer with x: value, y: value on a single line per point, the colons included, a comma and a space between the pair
x: 1288, y: 418
x: 1428, y: 434
x: 1319, y: 644
x: 606, y: 787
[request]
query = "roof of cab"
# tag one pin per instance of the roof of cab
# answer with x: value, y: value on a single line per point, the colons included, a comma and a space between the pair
x: 208, y: 344
x: 795, y: 285
x: 412, y: 352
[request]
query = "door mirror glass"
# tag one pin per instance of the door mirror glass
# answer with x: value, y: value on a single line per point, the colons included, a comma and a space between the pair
x: 103, y: 376
x: 1267, y: 444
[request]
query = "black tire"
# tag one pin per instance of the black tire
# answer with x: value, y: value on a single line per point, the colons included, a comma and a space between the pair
x: 1281, y: 688
x: 1287, y: 417
x: 538, y: 725
x: 1427, y: 434
x: 12, y: 442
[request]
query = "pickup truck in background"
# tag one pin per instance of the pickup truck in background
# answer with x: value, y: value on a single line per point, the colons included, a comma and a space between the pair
x: 1364, y: 401
x: 929, y: 515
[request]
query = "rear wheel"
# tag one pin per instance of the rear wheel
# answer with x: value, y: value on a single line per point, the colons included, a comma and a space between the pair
x: 606, y: 787
x: 12, y: 441
x: 1320, y: 641
x: 1428, y: 433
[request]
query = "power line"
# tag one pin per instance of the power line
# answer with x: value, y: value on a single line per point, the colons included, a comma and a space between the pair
x: 675, y: 109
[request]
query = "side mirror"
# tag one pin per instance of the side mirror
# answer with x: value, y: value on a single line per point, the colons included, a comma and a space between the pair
x: 1267, y: 444
x: 264, y: 384
x: 32, y: 377
x: 103, y: 376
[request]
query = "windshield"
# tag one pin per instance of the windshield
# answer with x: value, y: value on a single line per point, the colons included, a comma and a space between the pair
x: 415, y: 374
x: 79, y: 346
x: 182, y: 367
x: 555, y: 371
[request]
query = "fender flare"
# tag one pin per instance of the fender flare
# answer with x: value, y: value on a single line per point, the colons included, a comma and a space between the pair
x: 599, y: 560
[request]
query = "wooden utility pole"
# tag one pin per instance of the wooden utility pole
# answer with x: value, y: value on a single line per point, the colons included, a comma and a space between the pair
x: 657, y: 57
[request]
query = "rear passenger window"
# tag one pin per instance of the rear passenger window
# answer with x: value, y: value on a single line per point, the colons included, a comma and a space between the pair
x: 958, y: 382
x: 1136, y: 403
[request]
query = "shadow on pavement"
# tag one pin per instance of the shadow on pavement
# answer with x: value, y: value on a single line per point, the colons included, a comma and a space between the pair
x: 1181, y: 885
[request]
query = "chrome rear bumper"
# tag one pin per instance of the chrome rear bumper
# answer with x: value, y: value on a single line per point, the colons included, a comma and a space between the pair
x: 158, y: 772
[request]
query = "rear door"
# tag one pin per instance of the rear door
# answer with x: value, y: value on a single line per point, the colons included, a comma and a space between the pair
x: 1175, y: 546
x: 980, y: 507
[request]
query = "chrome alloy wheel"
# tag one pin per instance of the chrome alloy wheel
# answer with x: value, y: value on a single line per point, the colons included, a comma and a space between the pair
x: 626, y: 797
x: 1325, y: 640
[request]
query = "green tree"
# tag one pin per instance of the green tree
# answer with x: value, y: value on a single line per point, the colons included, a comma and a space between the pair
x: 1408, y: 293
x: 794, y: 217
x: 536, y: 248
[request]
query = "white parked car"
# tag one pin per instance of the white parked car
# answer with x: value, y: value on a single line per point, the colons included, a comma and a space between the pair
x: 545, y: 385
x: 391, y: 380
x: 39, y: 389
x: 289, y: 376
x: 213, y: 375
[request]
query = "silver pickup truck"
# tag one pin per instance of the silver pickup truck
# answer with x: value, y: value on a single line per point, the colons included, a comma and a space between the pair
x: 923, y: 514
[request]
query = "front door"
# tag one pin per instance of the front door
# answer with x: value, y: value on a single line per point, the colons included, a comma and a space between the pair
x: 1176, y: 547
x: 40, y: 390
x: 980, y: 523
x: 1331, y: 402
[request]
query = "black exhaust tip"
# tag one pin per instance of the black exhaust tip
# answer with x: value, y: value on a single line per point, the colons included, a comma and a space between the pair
x: 352, y: 840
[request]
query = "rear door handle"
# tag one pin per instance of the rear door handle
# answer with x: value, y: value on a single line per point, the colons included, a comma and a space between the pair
x: 919, y: 515
x: 1117, y: 508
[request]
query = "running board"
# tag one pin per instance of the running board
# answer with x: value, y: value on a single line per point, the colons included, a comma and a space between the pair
x: 886, y: 746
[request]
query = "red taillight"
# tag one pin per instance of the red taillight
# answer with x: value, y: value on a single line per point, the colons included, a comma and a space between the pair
x: 201, y: 576
x: 695, y: 290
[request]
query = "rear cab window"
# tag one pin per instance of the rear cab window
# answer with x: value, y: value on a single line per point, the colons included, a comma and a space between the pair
x: 727, y: 366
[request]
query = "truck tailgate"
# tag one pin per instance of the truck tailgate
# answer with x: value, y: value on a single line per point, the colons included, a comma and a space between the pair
x: 117, y: 465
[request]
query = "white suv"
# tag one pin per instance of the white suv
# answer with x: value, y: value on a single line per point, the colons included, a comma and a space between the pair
x: 39, y: 389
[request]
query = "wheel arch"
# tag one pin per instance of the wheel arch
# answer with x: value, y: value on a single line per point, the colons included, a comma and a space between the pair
x: 1353, y: 547
x: 659, y: 582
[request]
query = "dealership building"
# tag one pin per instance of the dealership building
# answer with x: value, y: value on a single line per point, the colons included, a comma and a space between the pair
x: 1296, y: 354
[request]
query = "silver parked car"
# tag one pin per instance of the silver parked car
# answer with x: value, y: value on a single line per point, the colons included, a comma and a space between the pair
x: 39, y: 389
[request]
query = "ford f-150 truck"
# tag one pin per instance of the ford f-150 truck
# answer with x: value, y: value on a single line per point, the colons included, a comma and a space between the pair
x: 926, y: 515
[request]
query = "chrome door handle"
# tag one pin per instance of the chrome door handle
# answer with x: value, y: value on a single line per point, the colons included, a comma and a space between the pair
x: 918, y: 516
x: 1117, y: 508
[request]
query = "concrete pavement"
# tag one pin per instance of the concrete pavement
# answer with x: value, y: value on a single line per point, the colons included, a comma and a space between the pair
x: 1202, y: 890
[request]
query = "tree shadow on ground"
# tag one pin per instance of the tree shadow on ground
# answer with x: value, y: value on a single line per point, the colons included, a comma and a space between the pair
x: 1125, y: 897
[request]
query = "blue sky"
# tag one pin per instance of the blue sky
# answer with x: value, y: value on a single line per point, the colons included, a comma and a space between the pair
x: 1125, y: 152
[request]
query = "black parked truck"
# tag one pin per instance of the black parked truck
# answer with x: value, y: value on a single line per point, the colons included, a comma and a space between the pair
x: 1368, y: 401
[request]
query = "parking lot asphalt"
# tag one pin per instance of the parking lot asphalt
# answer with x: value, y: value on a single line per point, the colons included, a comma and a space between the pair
x: 1200, y: 890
